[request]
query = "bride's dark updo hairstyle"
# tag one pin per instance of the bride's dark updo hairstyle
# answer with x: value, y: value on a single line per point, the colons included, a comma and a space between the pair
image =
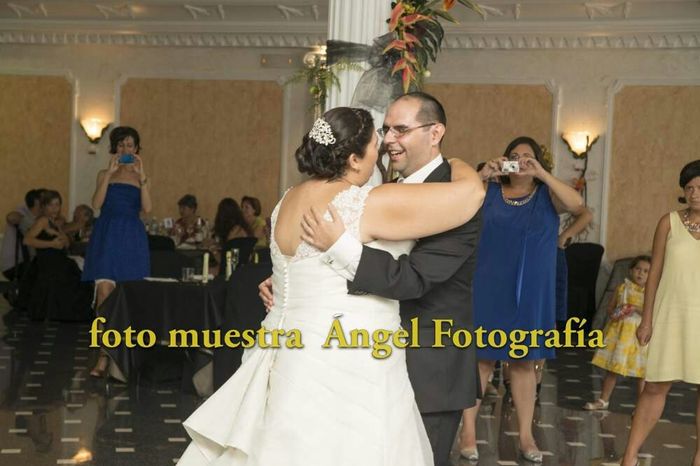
x: 352, y: 129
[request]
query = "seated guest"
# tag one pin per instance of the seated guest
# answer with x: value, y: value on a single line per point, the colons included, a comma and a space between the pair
x: 22, y: 218
x: 189, y: 228
x: 229, y: 224
x: 251, y: 213
x: 52, y: 284
x: 80, y: 228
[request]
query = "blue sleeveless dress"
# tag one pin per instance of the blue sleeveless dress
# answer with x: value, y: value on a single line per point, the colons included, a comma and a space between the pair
x: 118, y: 247
x: 515, y: 277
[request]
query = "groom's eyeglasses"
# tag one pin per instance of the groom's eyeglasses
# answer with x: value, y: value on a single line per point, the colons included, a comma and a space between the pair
x: 399, y: 131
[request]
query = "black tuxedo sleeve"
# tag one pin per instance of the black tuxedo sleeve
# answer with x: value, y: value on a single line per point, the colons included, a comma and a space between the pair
x: 432, y: 261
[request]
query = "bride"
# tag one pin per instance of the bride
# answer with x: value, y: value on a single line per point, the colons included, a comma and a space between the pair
x: 316, y: 406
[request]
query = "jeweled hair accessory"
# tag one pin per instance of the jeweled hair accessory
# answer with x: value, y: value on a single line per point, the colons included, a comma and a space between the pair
x: 322, y: 133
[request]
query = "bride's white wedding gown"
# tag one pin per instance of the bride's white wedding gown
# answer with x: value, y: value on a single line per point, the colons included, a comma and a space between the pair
x: 315, y: 406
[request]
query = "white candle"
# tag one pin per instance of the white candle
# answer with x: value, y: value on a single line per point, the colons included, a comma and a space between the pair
x: 205, y: 268
x: 228, y: 264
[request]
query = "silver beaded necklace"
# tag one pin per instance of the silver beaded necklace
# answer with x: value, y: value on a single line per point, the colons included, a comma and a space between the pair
x: 520, y: 202
x: 693, y: 227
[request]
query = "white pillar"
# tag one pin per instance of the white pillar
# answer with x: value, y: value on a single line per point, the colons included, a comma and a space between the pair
x: 359, y: 21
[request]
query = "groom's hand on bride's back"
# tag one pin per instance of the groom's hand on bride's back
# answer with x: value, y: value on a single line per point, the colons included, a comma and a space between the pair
x: 321, y: 233
x: 265, y: 294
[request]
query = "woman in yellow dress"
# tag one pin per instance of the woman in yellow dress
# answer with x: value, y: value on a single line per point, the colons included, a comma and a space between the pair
x: 622, y: 354
x: 671, y: 318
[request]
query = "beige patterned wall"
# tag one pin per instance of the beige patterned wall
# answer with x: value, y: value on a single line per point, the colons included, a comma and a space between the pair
x: 483, y: 118
x: 655, y: 133
x: 213, y: 139
x: 35, y: 131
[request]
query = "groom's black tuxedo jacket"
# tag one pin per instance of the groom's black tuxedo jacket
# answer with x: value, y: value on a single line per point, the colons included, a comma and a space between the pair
x: 433, y: 282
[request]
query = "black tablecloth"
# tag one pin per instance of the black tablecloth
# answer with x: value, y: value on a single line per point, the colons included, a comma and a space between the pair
x: 161, y: 307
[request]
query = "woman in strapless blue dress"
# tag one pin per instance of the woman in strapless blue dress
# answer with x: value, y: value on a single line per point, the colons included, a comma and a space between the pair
x: 118, y: 247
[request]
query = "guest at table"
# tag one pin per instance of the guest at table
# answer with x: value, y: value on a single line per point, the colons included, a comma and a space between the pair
x: 229, y: 224
x: 21, y: 219
x: 53, y: 282
x: 189, y: 228
x: 80, y: 228
x: 118, y: 247
x: 251, y: 213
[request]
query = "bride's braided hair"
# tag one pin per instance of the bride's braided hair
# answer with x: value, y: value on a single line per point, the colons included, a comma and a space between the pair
x: 352, y: 129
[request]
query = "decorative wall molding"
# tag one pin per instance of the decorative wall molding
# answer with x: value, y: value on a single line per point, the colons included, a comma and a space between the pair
x: 162, y: 40
x: 622, y: 9
x: 452, y: 41
x: 514, y: 41
x: 485, y: 35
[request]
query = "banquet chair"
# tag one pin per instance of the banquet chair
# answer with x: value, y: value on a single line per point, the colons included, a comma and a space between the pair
x: 245, y: 250
x: 584, y: 263
x: 160, y: 243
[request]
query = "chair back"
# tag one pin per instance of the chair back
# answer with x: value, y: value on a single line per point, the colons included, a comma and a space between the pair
x: 245, y: 249
x: 169, y: 264
x: 583, y: 261
x: 264, y: 256
x: 160, y: 243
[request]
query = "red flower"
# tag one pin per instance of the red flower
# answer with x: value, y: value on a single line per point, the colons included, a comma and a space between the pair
x: 395, y: 44
x: 412, y: 19
x: 401, y: 64
x: 448, y: 4
x: 395, y: 15
x: 407, y: 76
x: 410, y: 38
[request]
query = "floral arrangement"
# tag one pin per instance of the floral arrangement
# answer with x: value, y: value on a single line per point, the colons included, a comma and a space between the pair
x: 418, y: 36
x: 321, y: 78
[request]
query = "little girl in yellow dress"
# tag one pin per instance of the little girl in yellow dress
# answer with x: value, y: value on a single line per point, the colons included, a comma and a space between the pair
x: 622, y: 354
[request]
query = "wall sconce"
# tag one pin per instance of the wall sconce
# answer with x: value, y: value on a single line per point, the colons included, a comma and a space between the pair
x: 579, y: 144
x: 94, y: 129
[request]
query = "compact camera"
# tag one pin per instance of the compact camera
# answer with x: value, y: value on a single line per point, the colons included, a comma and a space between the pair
x: 126, y: 159
x: 510, y: 166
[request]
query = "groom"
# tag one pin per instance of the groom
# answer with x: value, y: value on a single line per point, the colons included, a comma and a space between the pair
x: 433, y: 282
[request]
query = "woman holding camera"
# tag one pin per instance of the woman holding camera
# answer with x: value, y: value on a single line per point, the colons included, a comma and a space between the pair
x: 118, y: 248
x: 515, y: 277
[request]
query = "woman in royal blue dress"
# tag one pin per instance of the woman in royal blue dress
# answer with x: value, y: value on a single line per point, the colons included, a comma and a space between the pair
x: 118, y: 248
x: 515, y: 276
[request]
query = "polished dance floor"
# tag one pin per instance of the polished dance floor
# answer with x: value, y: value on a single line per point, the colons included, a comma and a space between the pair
x: 53, y: 412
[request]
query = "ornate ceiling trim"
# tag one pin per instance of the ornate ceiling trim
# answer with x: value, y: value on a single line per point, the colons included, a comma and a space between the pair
x: 486, y: 35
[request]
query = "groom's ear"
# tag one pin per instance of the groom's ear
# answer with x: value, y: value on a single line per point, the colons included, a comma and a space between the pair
x: 437, y: 132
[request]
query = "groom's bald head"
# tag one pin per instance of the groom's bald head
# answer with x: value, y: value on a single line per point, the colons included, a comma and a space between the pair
x: 431, y: 110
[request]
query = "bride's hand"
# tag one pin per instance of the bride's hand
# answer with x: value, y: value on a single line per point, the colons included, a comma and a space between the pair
x: 320, y: 233
x: 265, y: 293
